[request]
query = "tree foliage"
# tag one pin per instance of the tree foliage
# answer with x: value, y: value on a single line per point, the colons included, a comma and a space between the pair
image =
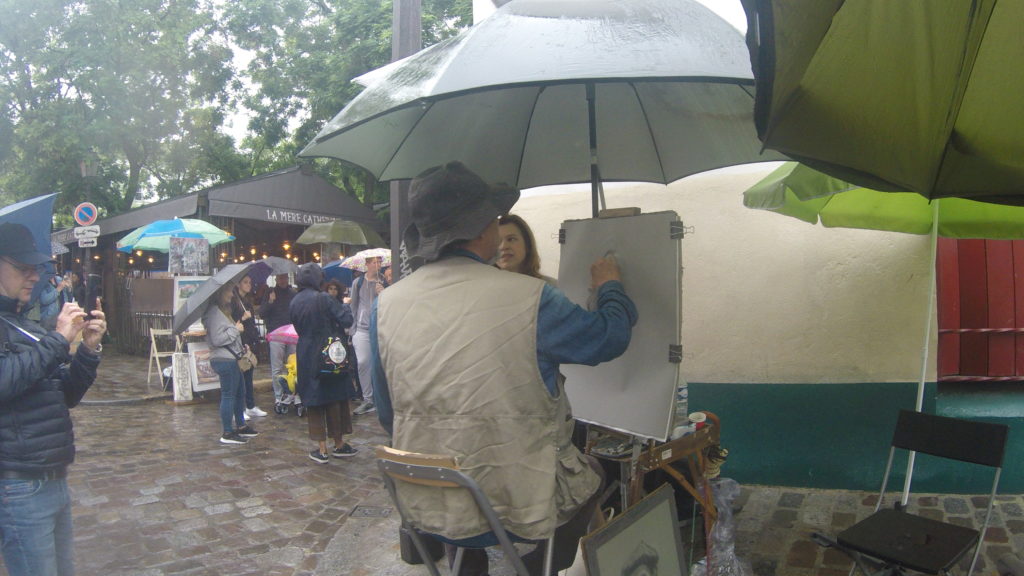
x: 106, y: 100
x: 116, y: 101
x: 305, y: 55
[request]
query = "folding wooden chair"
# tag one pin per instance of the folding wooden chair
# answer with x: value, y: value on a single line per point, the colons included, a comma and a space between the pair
x: 156, y: 336
x: 891, y: 541
x: 442, y: 472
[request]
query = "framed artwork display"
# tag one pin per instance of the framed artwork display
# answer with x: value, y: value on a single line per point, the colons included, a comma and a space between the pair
x: 188, y: 256
x: 182, y: 377
x: 203, y: 376
x: 184, y: 286
x: 642, y: 541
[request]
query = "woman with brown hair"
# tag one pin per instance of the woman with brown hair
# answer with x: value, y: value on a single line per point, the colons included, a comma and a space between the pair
x: 517, y: 251
x: 224, y: 336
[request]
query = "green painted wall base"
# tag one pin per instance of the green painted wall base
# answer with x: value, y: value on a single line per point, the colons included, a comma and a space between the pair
x: 837, y: 436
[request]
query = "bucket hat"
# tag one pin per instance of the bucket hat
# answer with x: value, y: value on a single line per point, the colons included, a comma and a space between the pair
x: 450, y: 203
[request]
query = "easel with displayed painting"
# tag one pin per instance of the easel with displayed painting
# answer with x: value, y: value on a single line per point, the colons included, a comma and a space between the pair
x: 646, y: 378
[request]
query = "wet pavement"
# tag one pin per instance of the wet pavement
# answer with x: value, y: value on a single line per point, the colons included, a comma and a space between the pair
x: 155, y: 493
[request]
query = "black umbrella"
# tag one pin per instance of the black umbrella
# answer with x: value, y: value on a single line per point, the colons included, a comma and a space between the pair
x: 196, y: 304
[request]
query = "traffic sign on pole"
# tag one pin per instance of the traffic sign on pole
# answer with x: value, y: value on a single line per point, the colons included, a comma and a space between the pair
x: 86, y: 213
x: 86, y: 232
x: 87, y: 243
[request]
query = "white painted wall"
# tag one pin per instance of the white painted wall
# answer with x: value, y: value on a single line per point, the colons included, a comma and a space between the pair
x: 767, y: 298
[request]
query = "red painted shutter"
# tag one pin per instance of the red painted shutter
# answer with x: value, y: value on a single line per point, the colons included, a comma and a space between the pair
x: 980, y: 287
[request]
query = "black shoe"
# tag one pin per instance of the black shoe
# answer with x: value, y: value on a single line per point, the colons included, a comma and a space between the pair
x: 280, y: 408
x: 345, y: 451
x: 247, y: 432
x: 232, y: 438
x: 319, y: 457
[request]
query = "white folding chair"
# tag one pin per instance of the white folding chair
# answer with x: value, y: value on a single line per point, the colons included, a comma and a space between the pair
x: 158, y: 336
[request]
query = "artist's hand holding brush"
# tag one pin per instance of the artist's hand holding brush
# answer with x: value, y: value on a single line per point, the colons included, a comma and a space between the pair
x: 604, y: 270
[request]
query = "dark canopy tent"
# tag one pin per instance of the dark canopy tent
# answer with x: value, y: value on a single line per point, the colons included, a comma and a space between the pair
x: 264, y: 213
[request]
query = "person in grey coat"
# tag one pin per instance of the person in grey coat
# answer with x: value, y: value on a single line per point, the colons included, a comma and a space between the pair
x: 325, y: 395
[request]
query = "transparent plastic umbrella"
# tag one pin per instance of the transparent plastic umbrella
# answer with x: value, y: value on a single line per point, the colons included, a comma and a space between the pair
x: 559, y: 92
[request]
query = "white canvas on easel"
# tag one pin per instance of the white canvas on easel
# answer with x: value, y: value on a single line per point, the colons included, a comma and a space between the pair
x: 636, y: 392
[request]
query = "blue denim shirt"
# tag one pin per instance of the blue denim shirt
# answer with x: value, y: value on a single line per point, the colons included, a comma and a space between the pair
x: 566, y: 334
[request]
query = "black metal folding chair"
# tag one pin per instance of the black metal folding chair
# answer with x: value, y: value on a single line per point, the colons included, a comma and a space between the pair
x: 442, y: 472
x: 891, y: 541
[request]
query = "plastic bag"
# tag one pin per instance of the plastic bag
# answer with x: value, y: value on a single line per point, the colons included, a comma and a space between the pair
x: 723, y: 559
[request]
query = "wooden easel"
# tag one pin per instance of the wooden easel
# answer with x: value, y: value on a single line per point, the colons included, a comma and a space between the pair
x: 649, y: 456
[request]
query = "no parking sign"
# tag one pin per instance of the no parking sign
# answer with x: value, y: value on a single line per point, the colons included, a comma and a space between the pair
x: 86, y: 213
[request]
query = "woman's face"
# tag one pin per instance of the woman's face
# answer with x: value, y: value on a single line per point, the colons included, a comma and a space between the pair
x: 245, y: 285
x: 224, y: 296
x: 511, y: 249
x: 332, y: 290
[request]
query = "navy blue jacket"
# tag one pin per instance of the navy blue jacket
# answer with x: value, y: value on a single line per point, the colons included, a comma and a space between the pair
x: 39, y: 383
x: 315, y: 316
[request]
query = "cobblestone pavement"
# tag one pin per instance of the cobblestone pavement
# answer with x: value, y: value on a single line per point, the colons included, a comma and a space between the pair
x: 155, y: 493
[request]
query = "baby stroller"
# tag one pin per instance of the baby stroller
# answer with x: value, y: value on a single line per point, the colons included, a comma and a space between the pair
x: 289, y: 397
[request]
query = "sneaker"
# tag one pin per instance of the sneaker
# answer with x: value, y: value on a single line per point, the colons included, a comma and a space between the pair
x: 288, y: 399
x: 300, y: 410
x: 254, y: 412
x: 364, y: 408
x: 319, y: 457
x: 247, y: 432
x: 232, y: 438
x: 280, y: 408
x: 346, y: 451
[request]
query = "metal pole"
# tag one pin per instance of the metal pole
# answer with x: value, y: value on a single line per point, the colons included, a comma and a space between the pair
x: 406, y: 40
x: 919, y: 404
x: 595, y: 172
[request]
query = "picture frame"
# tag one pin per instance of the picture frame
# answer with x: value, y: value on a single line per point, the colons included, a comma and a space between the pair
x: 642, y: 541
x: 188, y: 256
x: 203, y: 376
x: 184, y: 286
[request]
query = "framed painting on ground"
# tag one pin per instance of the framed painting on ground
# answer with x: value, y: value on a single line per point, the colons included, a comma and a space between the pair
x: 203, y: 376
x: 643, y: 540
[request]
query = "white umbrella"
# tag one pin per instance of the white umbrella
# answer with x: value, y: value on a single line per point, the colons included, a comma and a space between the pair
x: 561, y: 91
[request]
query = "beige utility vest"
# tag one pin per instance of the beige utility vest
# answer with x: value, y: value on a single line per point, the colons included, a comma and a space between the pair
x: 458, y: 340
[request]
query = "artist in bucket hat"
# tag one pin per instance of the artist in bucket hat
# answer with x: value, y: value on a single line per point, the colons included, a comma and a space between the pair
x: 465, y: 363
x: 450, y: 203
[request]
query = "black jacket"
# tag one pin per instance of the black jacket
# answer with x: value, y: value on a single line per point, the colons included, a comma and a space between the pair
x: 275, y: 314
x: 39, y: 383
x: 250, y: 336
x: 315, y: 316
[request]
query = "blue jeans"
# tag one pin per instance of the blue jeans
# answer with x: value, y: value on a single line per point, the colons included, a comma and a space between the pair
x: 232, y: 393
x: 250, y: 397
x: 35, y: 527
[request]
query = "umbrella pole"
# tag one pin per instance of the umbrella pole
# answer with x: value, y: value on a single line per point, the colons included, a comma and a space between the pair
x: 595, y: 171
x: 919, y: 405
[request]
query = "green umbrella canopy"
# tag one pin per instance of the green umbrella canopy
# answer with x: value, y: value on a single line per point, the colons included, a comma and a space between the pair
x: 917, y: 96
x: 156, y: 235
x: 804, y: 193
x: 341, y: 232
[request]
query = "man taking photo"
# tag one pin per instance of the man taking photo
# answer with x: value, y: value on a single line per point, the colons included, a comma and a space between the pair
x: 40, y: 380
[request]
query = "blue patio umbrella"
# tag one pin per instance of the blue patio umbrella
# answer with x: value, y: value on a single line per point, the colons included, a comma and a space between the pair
x: 335, y: 271
x: 156, y: 235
